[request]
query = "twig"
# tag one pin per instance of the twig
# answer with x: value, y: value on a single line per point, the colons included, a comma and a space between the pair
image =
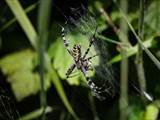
x: 109, y: 20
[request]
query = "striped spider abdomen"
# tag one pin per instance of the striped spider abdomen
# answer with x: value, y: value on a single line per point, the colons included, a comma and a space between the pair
x: 76, y: 52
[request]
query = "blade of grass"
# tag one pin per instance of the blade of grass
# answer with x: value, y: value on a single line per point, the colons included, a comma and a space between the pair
x: 62, y: 116
x: 151, y: 56
x: 60, y: 90
x: 13, y: 20
x: 43, y: 23
x: 108, y: 39
x: 123, y: 106
x: 23, y: 20
x: 56, y: 81
x: 139, y: 57
x: 131, y: 51
x: 35, y: 114
x: 93, y: 107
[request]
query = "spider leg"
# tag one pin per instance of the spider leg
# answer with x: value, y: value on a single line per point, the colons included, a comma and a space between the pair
x: 70, y: 70
x: 73, y: 75
x: 65, y: 41
x: 92, y: 85
x: 89, y: 81
x: 89, y: 62
x: 96, y: 91
x: 89, y: 58
x: 90, y: 44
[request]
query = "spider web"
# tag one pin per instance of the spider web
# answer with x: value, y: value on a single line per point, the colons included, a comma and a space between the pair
x: 8, y: 110
x: 103, y: 75
x: 85, y: 28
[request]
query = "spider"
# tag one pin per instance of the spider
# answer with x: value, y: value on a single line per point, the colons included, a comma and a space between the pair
x: 83, y: 63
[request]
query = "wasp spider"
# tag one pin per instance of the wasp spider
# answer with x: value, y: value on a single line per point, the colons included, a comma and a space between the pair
x: 83, y: 63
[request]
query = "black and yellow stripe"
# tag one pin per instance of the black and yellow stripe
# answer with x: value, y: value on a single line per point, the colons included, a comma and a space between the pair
x: 90, y: 44
x: 76, y: 52
x: 66, y: 43
x: 69, y: 71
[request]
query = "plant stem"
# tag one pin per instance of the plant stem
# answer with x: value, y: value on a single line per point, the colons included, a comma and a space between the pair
x: 158, y: 12
x: 24, y: 21
x: 93, y: 107
x: 43, y: 18
x: 123, y: 101
x: 122, y: 35
x: 13, y: 20
x: 139, y: 58
x: 109, y: 20
x: 147, y: 51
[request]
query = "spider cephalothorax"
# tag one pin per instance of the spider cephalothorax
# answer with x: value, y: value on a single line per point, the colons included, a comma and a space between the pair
x: 83, y: 63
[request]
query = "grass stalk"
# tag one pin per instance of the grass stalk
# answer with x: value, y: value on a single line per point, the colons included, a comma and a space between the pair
x: 43, y: 18
x: 13, y: 20
x: 23, y: 20
x: 139, y: 57
x: 122, y: 35
x: 123, y: 101
x: 147, y: 51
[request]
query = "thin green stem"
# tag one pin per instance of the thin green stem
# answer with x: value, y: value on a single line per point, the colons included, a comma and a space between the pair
x: 151, y: 56
x: 139, y: 58
x: 157, y: 14
x: 122, y: 35
x: 124, y: 65
x: 93, y: 107
x: 43, y: 18
x: 109, y: 40
x: 109, y: 20
x: 24, y: 21
x: 13, y: 20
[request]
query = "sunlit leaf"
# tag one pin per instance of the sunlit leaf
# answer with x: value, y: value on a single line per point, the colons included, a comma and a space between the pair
x: 151, y: 112
x: 131, y: 51
x: 62, y: 60
x: 147, y: 51
x: 19, y: 67
x: 19, y: 60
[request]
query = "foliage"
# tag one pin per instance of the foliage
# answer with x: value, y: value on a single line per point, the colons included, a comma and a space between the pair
x: 21, y: 65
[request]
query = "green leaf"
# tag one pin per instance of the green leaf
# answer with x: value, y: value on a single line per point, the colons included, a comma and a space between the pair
x: 131, y: 51
x: 18, y: 67
x: 151, y: 112
x: 147, y: 51
x: 62, y: 59
x: 24, y: 83
x: 17, y: 61
x: 135, y: 113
